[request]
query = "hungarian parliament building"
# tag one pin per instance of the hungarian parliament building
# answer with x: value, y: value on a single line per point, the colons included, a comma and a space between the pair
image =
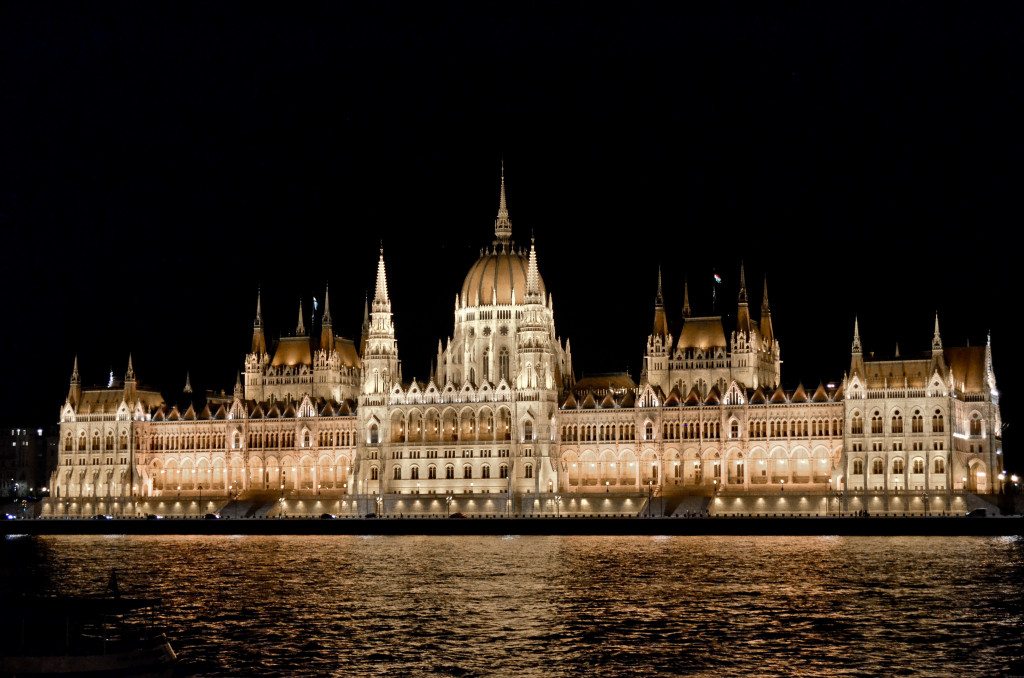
x: 503, y: 426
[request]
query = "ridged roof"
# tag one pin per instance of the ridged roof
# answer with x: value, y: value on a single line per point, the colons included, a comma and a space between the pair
x: 498, y: 269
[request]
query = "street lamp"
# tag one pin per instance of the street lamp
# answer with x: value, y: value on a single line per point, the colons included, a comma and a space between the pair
x: 650, y: 498
x: 448, y: 506
x: 558, y: 506
x: 380, y: 506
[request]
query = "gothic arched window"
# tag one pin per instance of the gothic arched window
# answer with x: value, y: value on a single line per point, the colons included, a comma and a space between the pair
x: 503, y: 364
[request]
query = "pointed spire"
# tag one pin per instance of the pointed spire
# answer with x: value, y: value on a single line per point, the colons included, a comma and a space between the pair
x: 300, y: 329
x: 502, y: 224
x: 75, y: 378
x: 767, y: 331
x: 258, y: 322
x: 856, y: 348
x: 687, y: 312
x: 743, y: 284
x: 259, y: 342
x: 239, y: 393
x: 660, y: 321
x: 936, y: 336
x: 743, y: 322
x: 897, y: 349
x: 75, y: 388
x: 533, y: 293
x: 327, y: 305
x: 188, y: 384
x: 380, y: 295
x: 130, y: 374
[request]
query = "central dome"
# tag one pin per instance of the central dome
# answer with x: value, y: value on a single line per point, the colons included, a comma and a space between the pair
x: 497, y: 270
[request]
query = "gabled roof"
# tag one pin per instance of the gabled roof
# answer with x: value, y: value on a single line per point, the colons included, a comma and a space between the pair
x: 693, y: 397
x: 292, y: 351
x: 608, y: 401
x: 779, y: 396
x: 629, y: 399
x: 714, y: 396
x: 820, y: 395
x: 588, y: 402
x: 799, y: 395
x: 703, y: 333
x: 570, y: 402
x: 968, y: 367
x: 757, y: 397
x: 674, y: 397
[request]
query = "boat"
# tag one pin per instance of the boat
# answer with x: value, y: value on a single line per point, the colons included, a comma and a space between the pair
x: 100, y: 635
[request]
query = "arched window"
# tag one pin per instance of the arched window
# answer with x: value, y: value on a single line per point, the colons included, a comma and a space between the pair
x: 876, y: 423
x: 975, y: 426
x: 472, y: 375
x: 649, y: 431
x: 858, y: 467
x: 897, y: 423
x: 529, y: 470
x: 877, y: 466
x: 917, y: 422
x: 503, y: 363
x: 449, y: 472
x: 940, y: 465
x: 527, y: 430
x: 467, y: 471
x: 486, y: 367
x: 485, y: 472
x: 503, y: 471
x: 67, y: 443
x: 415, y: 473
x: 938, y: 423
x: 918, y: 465
x: 374, y: 473
x: 856, y: 424
x: 432, y: 473
x: 374, y: 434
x: 398, y: 473
x: 236, y: 441
x: 897, y: 466
x: 305, y: 439
x: 734, y: 429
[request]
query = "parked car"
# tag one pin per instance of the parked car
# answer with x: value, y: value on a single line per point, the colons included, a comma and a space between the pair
x: 457, y: 515
x: 8, y: 516
x: 211, y: 516
x: 977, y: 513
x: 327, y: 516
x: 102, y: 516
x: 153, y: 516
x: 370, y: 515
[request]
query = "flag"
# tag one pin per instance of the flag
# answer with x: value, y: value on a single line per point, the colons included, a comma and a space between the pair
x: 718, y: 279
x: 314, y: 303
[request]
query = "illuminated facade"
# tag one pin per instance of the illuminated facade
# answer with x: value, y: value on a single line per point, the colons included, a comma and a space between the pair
x: 502, y: 420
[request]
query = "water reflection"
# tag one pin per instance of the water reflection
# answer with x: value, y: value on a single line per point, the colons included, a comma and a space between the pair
x: 559, y: 605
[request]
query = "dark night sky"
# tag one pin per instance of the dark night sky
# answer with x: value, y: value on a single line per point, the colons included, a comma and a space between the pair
x: 159, y: 161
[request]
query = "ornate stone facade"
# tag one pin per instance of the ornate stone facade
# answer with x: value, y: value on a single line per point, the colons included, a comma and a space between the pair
x: 501, y: 419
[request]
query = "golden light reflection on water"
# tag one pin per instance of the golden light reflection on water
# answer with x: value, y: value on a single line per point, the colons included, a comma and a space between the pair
x: 559, y: 605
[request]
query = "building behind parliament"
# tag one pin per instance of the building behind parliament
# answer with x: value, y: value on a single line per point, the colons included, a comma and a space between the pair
x: 502, y: 426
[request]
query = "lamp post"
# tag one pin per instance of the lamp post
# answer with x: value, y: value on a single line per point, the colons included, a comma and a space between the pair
x: 558, y: 506
x: 380, y: 506
x: 201, y: 499
x: 650, y: 498
x: 448, y: 506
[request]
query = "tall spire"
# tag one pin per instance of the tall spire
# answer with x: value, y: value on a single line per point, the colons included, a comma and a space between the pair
x: 743, y: 322
x: 327, y: 305
x: 129, y: 382
x: 239, y: 393
x: 502, y: 224
x: 856, y: 348
x: 686, y: 298
x: 188, y: 383
x: 75, y: 389
x: 366, y: 325
x: 380, y: 295
x: 130, y: 374
x: 936, y: 337
x: 300, y: 329
x: 767, y: 331
x: 533, y: 294
x: 259, y: 341
x: 660, y: 321
x: 897, y: 349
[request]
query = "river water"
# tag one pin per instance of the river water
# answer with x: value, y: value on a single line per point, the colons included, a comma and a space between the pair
x: 552, y: 606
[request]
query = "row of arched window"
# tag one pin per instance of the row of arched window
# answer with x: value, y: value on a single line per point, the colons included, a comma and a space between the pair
x: 599, y: 432
x: 898, y: 466
x: 449, y: 472
x: 107, y: 443
x: 896, y: 423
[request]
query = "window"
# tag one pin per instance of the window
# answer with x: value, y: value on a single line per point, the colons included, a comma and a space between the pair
x: 503, y: 471
x: 877, y: 466
x: 857, y: 424
x: 236, y: 441
x: 734, y: 429
x: 374, y: 473
x: 503, y: 360
x: 305, y: 439
x: 876, y: 423
x: 897, y: 423
x: 449, y: 472
x: 527, y: 430
x: 486, y: 358
x: 529, y: 470
x: 485, y: 472
x: 467, y: 471
x: 432, y: 473
x: 917, y: 423
x: 940, y: 465
x: 649, y: 431
x: 415, y: 473
x: 897, y: 466
x: 938, y: 423
x: 975, y: 426
x: 918, y: 465
x: 858, y: 467
x: 374, y: 434
x: 398, y: 473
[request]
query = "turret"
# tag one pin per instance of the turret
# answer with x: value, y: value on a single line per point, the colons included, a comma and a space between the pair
x: 502, y: 223
x: 660, y: 321
x: 326, y: 329
x: 366, y: 326
x: 767, y: 331
x: 129, y: 382
x: 259, y: 342
x: 856, y: 352
x: 686, y: 298
x: 743, y: 323
x: 300, y: 328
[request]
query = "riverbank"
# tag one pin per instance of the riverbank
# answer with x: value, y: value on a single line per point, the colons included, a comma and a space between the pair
x: 776, y: 526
